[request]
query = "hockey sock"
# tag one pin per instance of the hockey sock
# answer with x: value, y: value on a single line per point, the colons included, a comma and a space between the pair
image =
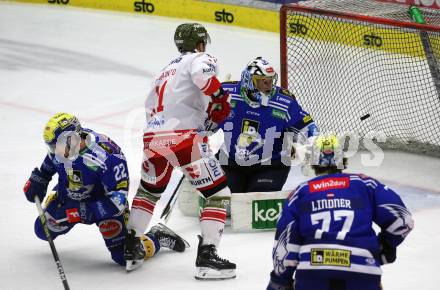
x: 142, y: 210
x: 212, y: 223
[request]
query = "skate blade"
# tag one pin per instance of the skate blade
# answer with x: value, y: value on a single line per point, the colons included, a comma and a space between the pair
x: 205, y: 273
x: 133, y: 264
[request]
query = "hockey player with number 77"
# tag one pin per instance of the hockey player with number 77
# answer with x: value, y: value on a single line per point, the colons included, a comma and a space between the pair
x: 325, y: 234
x: 185, y: 101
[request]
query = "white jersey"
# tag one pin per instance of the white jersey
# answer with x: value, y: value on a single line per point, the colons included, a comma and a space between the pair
x: 176, y: 100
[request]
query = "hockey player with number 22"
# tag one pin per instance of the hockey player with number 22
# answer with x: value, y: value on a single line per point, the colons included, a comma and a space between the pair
x: 185, y: 99
x: 92, y: 188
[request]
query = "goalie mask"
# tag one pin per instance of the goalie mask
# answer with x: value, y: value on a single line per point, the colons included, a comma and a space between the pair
x: 258, y: 82
x: 62, y: 135
x: 189, y: 35
x: 327, y: 152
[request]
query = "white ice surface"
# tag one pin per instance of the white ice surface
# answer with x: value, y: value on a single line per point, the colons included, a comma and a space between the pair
x: 98, y: 66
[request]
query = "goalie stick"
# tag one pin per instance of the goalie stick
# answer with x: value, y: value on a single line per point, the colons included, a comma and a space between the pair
x: 43, y: 221
x: 166, y: 213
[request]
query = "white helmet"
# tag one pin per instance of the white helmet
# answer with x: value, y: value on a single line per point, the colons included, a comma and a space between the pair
x: 258, y: 69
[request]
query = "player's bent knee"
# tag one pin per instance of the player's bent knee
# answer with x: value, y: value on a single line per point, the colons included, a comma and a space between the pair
x: 39, y: 230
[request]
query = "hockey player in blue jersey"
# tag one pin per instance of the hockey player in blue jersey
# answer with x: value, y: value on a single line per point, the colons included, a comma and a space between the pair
x: 325, y: 234
x: 92, y: 188
x: 257, y: 131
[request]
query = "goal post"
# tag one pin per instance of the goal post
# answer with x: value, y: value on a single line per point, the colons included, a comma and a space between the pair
x: 365, y: 66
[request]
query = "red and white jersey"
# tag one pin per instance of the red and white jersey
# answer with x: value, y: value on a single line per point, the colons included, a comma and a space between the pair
x: 179, y: 95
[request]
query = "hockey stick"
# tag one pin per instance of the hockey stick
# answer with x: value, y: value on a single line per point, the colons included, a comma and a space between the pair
x: 166, y: 213
x: 43, y: 221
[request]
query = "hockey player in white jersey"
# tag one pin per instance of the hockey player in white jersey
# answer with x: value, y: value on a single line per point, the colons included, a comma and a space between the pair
x: 185, y: 100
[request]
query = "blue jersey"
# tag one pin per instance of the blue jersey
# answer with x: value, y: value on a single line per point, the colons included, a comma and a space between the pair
x: 325, y: 229
x: 255, y: 133
x: 99, y: 170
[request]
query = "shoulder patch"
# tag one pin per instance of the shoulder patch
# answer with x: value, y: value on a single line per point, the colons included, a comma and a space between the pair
x: 105, y: 147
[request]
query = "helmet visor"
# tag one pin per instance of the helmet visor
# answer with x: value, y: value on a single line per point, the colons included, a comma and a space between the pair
x: 66, y: 145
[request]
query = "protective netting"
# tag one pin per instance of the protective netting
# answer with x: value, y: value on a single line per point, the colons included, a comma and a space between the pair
x: 365, y: 74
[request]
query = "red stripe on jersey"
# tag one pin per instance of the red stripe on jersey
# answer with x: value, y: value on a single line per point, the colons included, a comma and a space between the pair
x: 211, y: 86
x: 215, y: 214
x: 144, y: 205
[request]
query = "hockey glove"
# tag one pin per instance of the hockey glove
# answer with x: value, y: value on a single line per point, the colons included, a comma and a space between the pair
x: 36, y: 185
x: 387, y: 251
x: 219, y: 108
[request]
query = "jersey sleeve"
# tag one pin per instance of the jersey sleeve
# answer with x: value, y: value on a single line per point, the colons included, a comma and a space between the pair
x: 203, y: 72
x: 47, y: 167
x: 114, y: 176
x: 391, y: 214
x: 285, y: 252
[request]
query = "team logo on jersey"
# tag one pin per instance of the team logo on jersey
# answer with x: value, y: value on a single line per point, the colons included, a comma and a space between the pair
x: 330, y: 257
x: 110, y: 228
x: 329, y: 183
x: 74, y: 177
x: 249, y: 132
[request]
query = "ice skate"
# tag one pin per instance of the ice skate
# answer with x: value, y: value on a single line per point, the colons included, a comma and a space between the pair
x: 169, y: 239
x: 210, y: 266
x: 134, y: 251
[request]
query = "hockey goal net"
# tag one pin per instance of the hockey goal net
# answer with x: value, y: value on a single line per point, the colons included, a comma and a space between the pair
x: 365, y: 67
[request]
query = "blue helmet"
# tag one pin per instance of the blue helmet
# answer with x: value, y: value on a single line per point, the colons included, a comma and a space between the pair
x: 258, y: 69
